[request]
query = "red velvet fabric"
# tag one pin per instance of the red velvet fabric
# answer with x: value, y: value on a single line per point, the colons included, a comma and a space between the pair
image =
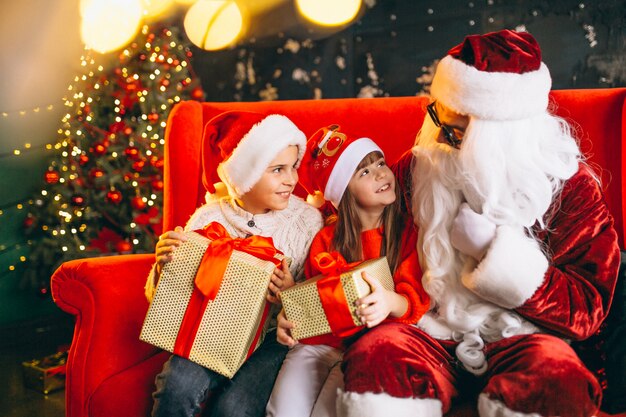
x: 412, y: 364
x: 502, y: 51
x: 583, y: 266
x: 106, y: 294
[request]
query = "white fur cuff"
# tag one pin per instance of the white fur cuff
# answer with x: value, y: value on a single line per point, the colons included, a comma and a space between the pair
x: 351, y: 404
x: 494, y: 408
x: 511, y: 272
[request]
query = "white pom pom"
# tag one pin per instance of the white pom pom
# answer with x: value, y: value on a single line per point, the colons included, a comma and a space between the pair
x: 316, y: 199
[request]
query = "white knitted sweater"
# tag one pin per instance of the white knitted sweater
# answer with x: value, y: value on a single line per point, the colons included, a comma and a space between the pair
x: 291, y: 229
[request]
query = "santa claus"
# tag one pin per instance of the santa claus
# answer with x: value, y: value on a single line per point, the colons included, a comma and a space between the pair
x: 517, y: 247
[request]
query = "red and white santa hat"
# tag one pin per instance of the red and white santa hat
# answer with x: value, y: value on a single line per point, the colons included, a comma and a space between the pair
x: 496, y: 76
x: 238, y: 147
x: 331, y: 159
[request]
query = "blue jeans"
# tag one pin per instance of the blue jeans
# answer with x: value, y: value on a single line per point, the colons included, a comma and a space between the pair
x: 183, y: 386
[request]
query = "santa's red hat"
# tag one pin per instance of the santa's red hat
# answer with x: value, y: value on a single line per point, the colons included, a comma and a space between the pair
x: 238, y: 147
x: 331, y: 159
x: 496, y: 76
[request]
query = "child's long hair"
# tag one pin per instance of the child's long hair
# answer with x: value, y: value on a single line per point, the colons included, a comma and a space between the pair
x: 347, y: 237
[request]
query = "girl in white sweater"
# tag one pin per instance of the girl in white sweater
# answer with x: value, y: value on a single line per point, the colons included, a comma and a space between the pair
x: 257, y: 159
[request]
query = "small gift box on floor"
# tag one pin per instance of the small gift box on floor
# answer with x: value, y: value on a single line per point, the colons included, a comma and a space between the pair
x: 46, y: 375
x: 325, y: 304
x: 210, y: 303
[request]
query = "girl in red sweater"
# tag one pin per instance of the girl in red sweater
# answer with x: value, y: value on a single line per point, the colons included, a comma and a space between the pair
x: 352, y: 175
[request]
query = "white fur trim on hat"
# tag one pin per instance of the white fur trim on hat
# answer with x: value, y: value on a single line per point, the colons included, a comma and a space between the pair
x: 343, y: 170
x: 351, y: 404
x: 257, y: 149
x: 490, y: 95
x: 494, y: 408
x: 512, y: 270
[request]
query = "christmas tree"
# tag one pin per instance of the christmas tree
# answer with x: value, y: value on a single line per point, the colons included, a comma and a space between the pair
x: 102, y: 191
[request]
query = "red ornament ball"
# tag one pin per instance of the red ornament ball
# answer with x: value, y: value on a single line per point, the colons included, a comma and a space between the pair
x: 153, y: 117
x: 83, y: 159
x: 157, y: 162
x: 78, y: 200
x: 157, y: 184
x: 128, y: 131
x: 132, y: 152
x: 99, y: 148
x: 52, y: 176
x: 197, y: 93
x: 138, y: 203
x: 28, y: 221
x: 123, y: 246
x: 114, y: 197
x: 96, y: 173
x: 138, y: 166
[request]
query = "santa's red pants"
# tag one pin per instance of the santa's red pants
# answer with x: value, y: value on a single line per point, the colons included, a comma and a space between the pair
x: 529, y: 373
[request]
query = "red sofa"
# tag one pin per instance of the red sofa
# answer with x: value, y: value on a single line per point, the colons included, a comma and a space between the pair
x: 111, y: 373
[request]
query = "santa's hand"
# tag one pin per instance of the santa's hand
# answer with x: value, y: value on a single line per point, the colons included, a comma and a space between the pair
x: 283, y: 331
x: 511, y: 271
x: 472, y: 233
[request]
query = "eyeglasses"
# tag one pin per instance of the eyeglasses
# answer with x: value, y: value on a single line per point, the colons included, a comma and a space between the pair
x: 448, y: 132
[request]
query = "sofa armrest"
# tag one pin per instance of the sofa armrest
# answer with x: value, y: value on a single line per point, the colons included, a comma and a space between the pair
x: 106, y: 296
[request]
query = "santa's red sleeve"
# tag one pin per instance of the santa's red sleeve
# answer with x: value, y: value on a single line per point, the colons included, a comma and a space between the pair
x: 566, y: 285
x: 576, y: 294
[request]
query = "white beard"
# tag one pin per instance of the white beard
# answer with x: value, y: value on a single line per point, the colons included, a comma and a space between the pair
x: 512, y: 180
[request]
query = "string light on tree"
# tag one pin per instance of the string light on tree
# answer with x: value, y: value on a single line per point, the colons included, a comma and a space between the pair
x: 109, y: 155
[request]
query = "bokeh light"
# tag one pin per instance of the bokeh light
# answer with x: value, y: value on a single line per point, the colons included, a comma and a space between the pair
x: 155, y: 8
x: 109, y: 24
x: 329, y: 12
x: 213, y: 24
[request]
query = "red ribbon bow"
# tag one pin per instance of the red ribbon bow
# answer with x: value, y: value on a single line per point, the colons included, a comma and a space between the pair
x: 213, y: 265
x: 209, y: 278
x: 332, y: 295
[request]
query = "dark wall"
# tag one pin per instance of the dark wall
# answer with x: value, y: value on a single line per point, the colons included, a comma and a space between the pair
x: 392, y: 49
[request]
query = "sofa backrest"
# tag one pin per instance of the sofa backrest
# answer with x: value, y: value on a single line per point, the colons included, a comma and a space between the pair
x: 598, y: 116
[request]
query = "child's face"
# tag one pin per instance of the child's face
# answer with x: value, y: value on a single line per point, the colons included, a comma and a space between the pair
x: 373, y: 186
x: 273, y: 190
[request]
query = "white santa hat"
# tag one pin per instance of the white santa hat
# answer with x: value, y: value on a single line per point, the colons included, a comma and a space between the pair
x: 495, y: 76
x: 238, y: 147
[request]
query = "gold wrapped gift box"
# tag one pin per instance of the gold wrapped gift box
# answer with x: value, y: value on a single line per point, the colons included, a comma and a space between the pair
x: 46, y: 375
x: 231, y: 326
x: 303, y: 306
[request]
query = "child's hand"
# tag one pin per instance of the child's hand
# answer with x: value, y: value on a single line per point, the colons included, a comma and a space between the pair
x: 380, y: 303
x: 164, y: 249
x: 283, y: 331
x: 281, y: 280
